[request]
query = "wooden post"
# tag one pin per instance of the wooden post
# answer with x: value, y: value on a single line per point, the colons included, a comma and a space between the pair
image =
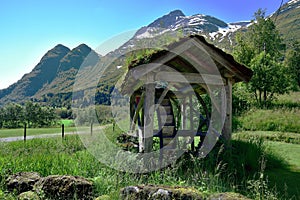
x: 192, y: 121
x: 131, y: 104
x: 183, y: 122
x: 227, y: 130
x: 183, y: 114
x: 62, y: 131
x: 25, y: 127
x: 148, y: 116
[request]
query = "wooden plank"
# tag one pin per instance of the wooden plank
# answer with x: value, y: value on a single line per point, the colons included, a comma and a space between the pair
x: 177, y: 77
x: 220, y: 59
x: 182, y: 133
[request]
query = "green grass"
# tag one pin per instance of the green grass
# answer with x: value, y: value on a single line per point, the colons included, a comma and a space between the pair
x: 284, y: 146
x: 293, y: 97
x: 33, y: 131
x: 290, y: 152
x: 283, y: 120
x: 220, y: 171
x: 293, y: 138
x: 286, y: 179
x: 67, y: 122
x: 279, y: 127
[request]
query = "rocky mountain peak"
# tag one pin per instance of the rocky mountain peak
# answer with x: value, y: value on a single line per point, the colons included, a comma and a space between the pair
x: 167, y: 20
x: 75, y: 57
x: 57, y: 51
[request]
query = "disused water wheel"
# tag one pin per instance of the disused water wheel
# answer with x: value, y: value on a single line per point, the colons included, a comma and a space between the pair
x: 169, y: 124
x: 166, y: 119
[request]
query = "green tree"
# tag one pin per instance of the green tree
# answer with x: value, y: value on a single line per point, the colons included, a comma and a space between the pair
x: 38, y: 116
x: 269, y: 78
x: 260, y: 49
x: 293, y: 62
x: 33, y: 114
x: 1, y: 117
x: 13, y: 115
x: 48, y: 117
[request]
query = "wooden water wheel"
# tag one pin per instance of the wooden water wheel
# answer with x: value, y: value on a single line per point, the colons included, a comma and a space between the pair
x: 177, y: 116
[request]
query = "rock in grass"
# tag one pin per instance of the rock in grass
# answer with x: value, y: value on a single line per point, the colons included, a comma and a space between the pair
x: 227, y: 196
x: 64, y: 187
x: 103, y: 197
x: 152, y: 192
x: 22, y: 181
x: 28, y: 196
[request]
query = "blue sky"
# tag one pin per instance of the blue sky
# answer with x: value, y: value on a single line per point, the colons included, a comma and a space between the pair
x: 29, y: 28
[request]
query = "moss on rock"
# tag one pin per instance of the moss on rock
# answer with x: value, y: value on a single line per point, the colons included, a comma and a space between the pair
x: 151, y: 192
x: 28, y: 196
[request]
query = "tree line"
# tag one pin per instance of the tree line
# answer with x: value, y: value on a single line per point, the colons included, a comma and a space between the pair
x: 32, y: 114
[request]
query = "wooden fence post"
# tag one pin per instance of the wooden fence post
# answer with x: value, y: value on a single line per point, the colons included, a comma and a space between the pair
x: 62, y: 131
x: 25, y: 127
x: 91, y: 128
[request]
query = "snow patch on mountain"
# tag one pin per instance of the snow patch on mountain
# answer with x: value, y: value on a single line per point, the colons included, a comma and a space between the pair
x: 151, y: 32
x: 195, y: 24
x: 293, y: 1
x: 225, y: 31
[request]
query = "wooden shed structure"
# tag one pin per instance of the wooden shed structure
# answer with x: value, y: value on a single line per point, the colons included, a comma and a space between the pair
x: 166, y: 93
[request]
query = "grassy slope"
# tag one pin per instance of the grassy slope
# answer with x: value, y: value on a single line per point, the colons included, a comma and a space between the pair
x: 279, y: 128
x: 284, y: 120
x: 287, y: 179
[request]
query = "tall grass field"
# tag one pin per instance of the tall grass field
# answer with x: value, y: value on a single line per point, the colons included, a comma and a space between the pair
x: 237, y: 170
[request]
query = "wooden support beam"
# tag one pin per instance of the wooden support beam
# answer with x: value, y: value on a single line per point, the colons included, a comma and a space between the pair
x: 183, y: 114
x: 183, y: 133
x: 176, y: 77
x: 148, y: 117
x: 227, y: 130
x: 191, y: 121
x: 220, y: 59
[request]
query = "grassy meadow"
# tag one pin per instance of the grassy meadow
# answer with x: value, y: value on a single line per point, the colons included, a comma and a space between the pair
x: 69, y: 127
x: 262, y: 163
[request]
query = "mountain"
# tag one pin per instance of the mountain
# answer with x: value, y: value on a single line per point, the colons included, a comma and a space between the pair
x: 218, y: 32
x: 68, y: 68
x: 287, y: 20
x: 176, y: 20
x: 43, y: 73
x: 54, y: 74
x: 52, y: 80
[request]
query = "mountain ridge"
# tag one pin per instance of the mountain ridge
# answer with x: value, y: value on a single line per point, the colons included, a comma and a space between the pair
x: 57, y: 62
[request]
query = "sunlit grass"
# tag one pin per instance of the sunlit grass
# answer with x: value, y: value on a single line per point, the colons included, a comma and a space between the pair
x: 283, y: 120
x: 287, y: 137
x: 286, y: 180
x: 67, y: 122
x: 33, y: 131
x: 220, y: 171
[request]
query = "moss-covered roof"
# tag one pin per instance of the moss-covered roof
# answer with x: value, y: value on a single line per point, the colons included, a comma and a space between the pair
x: 193, y: 55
